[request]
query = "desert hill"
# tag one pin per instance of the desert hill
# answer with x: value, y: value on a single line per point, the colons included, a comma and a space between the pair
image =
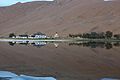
x: 62, y: 16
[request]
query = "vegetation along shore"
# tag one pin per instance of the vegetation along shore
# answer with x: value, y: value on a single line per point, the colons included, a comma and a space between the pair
x: 107, y: 36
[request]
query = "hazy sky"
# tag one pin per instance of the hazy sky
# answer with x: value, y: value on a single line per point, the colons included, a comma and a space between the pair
x: 11, y: 2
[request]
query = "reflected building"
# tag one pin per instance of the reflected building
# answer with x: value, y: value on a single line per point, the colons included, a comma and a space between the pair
x: 56, y: 45
x: 38, y: 44
x: 35, y: 44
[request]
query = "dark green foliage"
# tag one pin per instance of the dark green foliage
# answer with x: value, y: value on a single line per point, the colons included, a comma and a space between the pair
x: 108, y: 45
x: 95, y: 35
x: 75, y: 35
x: 109, y: 34
x: 12, y: 35
x: 117, y: 36
x: 117, y: 44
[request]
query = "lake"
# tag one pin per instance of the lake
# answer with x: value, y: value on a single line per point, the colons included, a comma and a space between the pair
x: 63, y: 61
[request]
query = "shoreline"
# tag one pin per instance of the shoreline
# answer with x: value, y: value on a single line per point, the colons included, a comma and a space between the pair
x: 58, y: 40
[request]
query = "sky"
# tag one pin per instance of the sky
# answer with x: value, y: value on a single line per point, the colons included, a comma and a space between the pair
x: 11, y: 2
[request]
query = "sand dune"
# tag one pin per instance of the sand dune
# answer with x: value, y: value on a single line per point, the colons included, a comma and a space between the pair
x: 63, y: 16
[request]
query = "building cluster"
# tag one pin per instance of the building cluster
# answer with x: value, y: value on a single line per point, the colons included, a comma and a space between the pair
x: 37, y: 35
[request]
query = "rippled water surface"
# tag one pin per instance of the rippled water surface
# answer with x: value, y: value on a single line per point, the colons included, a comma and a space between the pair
x: 64, y: 61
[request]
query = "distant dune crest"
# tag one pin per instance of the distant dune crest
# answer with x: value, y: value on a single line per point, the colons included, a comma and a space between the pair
x: 12, y: 2
x: 109, y: 0
x: 62, y: 16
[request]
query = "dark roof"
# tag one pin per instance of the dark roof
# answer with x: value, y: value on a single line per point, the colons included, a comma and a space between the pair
x: 23, y: 35
x: 38, y: 33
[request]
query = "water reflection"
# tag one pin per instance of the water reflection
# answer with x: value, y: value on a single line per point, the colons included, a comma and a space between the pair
x: 38, y: 44
x: 5, y: 75
x: 35, y: 44
x: 63, y: 60
x: 110, y: 79
x: 94, y: 44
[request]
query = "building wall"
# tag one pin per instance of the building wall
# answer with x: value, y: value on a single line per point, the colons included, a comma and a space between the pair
x: 40, y: 36
x: 21, y: 37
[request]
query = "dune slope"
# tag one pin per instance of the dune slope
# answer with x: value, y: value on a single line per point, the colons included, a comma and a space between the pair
x: 62, y: 16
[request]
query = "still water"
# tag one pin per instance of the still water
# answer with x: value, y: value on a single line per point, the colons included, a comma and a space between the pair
x: 62, y: 61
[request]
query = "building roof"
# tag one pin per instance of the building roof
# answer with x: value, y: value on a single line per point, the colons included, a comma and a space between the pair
x: 39, y: 33
x: 24, y: 35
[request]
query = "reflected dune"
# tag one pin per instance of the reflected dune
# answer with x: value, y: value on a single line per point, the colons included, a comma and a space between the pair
x: 65, y: 62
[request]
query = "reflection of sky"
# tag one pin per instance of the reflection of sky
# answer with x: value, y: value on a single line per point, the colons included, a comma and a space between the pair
x: 11, y: 2
x: 108, y: 0
x: 4, y: 75
x: 109, y: 79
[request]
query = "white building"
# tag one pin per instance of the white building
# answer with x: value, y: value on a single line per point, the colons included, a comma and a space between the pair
x: 56, y: 35
x: 39, y: 35
x: 22, y: 36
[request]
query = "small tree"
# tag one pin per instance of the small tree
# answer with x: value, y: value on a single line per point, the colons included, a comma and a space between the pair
x: 108, y: 45
x: 12, y: 35
x: 117, y: 36
x: 11, y: 43
x: 79, y: 35
x: 109, y: 34
x: 70, y: 35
